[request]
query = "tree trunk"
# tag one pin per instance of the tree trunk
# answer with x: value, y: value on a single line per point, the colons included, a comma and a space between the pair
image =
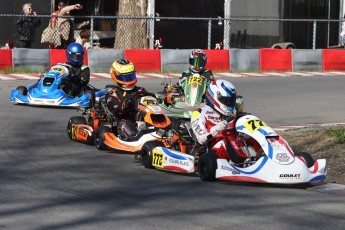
x: 131, y: 33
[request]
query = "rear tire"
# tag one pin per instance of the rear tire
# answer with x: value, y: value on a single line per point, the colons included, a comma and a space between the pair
x: 207, y: 166
x: 22, y: 90
x: 146, y: 152
x: 74, y: 121
x: 99, y: 137
x: 307, y: 157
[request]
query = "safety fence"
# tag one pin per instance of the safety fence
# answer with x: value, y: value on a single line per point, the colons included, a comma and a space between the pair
x: 107, y: 32
x: 173, y: 60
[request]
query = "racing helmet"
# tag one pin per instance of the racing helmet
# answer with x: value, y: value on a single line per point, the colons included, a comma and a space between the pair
x: 75, y: 53
x: 221, y: 96
x: 197, y: 59
x: 123, y: 74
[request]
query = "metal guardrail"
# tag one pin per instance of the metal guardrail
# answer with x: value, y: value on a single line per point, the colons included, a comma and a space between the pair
x: 123, y: 32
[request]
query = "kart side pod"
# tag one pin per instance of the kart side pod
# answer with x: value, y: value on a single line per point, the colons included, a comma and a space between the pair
x: 168, y: 159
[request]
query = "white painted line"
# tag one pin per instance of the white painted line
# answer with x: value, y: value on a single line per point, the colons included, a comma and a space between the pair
x: 337, y: 73
x: 6, y: 78
x: 299, y: 74
x: 139, y: 76
x: 228, y: 75
x: 104, y: 75
x: 277, y: 74
x: 158, y: 75
x: 25, y: 76
x: 319, y: 73
x: 255, y: 74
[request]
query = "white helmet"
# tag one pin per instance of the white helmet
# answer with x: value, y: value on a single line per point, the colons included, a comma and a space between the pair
x: 221, y: 95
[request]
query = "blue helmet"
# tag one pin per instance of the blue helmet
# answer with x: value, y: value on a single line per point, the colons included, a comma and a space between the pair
x: 75, y: 53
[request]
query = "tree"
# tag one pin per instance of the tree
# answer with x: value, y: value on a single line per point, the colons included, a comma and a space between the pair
x: 131, y: 33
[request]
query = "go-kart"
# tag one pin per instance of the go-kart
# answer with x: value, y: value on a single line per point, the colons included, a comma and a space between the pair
x: 270, y: 158
x: 99, y: 128
x: 50, y: 91
x: 181, y: 102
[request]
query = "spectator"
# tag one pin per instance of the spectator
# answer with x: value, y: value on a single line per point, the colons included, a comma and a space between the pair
x: 54, y: 18
x: 84, y: 39
x: 26, y: 26
x: 66, y: 25
x: 342, y: 34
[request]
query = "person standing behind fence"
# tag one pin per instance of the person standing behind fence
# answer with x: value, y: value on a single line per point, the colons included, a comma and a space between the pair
x: 84, y: 39
x: 65, y: 25
x: 26, y: 26
x: 54, y: 18
x: 342, y: 34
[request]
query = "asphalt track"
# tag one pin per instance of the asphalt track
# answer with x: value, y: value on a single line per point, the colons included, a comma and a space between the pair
x: 50, y: 182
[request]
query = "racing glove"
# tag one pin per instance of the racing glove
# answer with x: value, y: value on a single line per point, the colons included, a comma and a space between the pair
x: 219, y: 127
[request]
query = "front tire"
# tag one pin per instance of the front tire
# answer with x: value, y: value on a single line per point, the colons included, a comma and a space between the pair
x: 146, y: 152
x: 307, y: 158
x: 74, y: 121
x: 99, y: 137
x: 22, y: 90
x: 207, y: 166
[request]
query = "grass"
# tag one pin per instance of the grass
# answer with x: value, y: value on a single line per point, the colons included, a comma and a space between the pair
x: 23, y: 70
x: 338, y: 133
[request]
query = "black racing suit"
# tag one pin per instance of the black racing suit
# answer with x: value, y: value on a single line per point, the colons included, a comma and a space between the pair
x: 78, y: 80
x: 123, y: 104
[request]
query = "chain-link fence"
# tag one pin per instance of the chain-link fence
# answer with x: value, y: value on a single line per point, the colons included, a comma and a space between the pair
x: 108, y: 32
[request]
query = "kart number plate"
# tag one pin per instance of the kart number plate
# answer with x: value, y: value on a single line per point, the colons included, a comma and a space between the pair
x: 253, y: 124
x: 157, y: 159
x: 195, y: 79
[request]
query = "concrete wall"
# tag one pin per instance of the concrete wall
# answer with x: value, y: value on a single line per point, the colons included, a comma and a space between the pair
x: 235, y: 60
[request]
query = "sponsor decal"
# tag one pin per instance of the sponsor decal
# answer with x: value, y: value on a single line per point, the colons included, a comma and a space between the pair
x: 290, y: 176
x: 323, y: 170
x: 233, y: 171
x: 253, y: 124
x: 179, y: 162
x: 82, y: 134
x: 157, y: 159
x: 282, y: 157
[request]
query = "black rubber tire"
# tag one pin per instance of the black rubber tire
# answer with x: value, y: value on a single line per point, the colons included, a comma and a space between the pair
x: 99, y: 137
x: 22, y: 90
x: 74, y: 121
x: 207, y: 166
x: 307, y: 157
x: 146, y: 152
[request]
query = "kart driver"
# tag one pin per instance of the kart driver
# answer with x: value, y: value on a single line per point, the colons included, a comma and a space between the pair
x: 215, y: 117
x: 79, y: 73
x: 197, y: 61
x: 122, y: 100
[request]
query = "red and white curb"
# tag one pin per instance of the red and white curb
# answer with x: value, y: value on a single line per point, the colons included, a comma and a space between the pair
x: 6, y: 77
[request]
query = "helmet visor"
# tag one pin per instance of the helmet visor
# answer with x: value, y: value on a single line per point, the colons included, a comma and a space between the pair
x: 126, y: 77
x: 76, y: 56
x: 228, y: 101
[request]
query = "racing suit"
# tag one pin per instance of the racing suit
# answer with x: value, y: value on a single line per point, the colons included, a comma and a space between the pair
x: 123, y: 104
x: 205, y: 73
x: 78, y: 80
x: 207, y: 125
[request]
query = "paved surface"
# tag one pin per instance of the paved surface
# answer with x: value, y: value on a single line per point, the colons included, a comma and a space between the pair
x: 50, y: 182
x: 219, y: 75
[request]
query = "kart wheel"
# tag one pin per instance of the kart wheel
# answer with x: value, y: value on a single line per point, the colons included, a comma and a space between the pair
x: 22, y: 90
x: 307, y: 157
x: 207, y: 165
x: 146, y: 152
x: 74, y: 121
x: 99, y: 137
x: 92, y: 97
